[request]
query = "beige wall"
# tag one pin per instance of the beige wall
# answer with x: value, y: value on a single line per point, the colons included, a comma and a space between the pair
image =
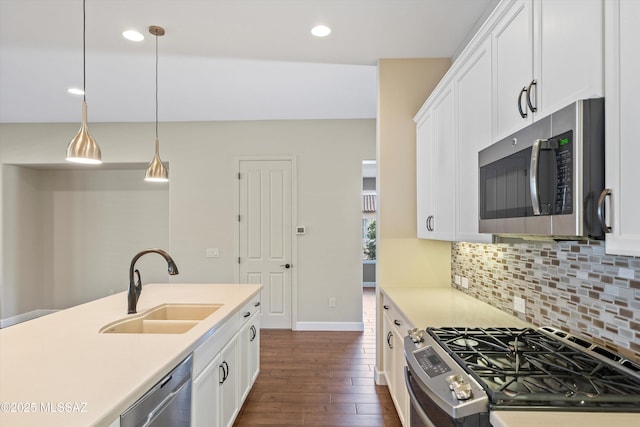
x: 201, y: 205
x: 403, y: 259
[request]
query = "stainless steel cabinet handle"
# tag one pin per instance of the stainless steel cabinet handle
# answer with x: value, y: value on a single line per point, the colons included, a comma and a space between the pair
x: 386, y: 307
x: 522, y: 112
x: 533, y: 176
x: 529, y: 103
x: 600, y: 212
x: 430, y: 223
x: 389, y: 337
x: 397, y: 322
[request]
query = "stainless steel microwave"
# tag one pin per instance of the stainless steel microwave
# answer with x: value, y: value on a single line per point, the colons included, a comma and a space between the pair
x: 545, y: 180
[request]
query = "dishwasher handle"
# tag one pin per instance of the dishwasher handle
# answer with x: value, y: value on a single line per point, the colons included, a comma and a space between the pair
x: 153, y: 415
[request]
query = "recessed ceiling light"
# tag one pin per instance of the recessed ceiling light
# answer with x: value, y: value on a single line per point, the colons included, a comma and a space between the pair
x: 133, y: 35
x: 321, y: 31
x: 75, y: 91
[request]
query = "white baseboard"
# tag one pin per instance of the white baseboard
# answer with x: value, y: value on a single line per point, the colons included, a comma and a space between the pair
x: 379, y: 377
x: 330, y: 326
x: 368, y: 284
x: 14, y: 320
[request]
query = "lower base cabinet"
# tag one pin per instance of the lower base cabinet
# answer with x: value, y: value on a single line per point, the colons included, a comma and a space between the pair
x: 225, y: 367
x: 395, y: 327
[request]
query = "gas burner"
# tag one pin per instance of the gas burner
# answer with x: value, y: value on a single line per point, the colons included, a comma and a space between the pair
x: 527, y: 367
x: 465, y: 342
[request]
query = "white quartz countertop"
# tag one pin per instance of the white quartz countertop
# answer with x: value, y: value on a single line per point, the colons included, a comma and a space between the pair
x: 438, y: 307
x: 61, y: 362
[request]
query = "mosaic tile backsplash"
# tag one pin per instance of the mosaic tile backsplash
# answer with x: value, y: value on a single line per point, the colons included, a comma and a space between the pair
x: 572, y: 286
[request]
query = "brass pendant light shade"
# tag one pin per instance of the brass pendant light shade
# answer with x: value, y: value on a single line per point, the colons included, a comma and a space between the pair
x: 83, y: 148
x: 156, y: 171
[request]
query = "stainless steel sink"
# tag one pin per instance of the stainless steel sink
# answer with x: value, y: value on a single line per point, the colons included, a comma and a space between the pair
x: 164, y: 319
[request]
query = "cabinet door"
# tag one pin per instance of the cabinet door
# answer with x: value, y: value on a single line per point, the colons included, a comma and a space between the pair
x: 424, y: 167
x: 249, y: 355
x: 205, y: 397
x: 622, y: 126
x: 568, y: 56
x: 229, y: 381
x: 443, y: 167
x: 387, y: 352
x: 473, y: 121
x: 401, y: 394
x: 513, y: 66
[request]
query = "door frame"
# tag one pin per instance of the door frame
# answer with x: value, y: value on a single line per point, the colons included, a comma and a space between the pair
x: 294, y: 223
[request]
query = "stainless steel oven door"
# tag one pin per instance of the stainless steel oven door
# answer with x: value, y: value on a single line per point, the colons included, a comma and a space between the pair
x: 417, y: 416
x: 426, y: 413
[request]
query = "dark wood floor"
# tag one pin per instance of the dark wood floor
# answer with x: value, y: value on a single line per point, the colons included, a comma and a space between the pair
x: 319, y: 379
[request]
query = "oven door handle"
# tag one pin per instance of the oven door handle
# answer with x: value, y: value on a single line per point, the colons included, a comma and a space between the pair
x: 414, y: 401
x: 533, y: 176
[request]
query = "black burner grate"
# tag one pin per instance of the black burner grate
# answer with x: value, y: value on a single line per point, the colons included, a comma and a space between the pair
x: 525, y: 367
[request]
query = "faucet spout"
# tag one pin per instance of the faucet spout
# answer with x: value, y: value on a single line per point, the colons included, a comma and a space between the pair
x: 135, y: 286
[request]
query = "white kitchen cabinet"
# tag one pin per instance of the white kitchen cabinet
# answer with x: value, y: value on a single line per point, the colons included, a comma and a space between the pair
x: 249, y: 354
x: 435, y: 155
x: 513, y: 66
x: 225, y: 369
x: 622, y: 68
x: 395, y: 327
x: 547, y: 54
x: 473, y: 103
x: 229, y: 381
x: 205, y: 398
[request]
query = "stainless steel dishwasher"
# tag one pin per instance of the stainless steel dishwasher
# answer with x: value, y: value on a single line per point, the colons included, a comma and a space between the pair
x: 167, y: 404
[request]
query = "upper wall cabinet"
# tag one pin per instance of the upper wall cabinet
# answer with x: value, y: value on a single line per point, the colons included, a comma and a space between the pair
x: 547, y: 54
x: 473, y: 125
x: 435, y: 155
x: 622, y: 68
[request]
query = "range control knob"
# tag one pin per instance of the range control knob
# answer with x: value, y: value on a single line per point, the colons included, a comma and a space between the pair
x: 463, y: 391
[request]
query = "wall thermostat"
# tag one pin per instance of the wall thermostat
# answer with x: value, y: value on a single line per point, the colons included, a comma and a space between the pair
x: 300, y: 229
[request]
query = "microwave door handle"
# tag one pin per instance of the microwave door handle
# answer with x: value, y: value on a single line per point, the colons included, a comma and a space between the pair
x: 533, y: 176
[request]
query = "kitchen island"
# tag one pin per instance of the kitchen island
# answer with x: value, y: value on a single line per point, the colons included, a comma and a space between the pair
x: 59, y: 370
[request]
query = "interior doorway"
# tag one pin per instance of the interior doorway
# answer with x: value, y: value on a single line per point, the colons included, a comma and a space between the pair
x: 369, y: 215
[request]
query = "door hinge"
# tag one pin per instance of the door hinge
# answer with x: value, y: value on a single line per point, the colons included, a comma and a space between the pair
x: 238, y: 217
x: 238, y: 260
x: 238, y: 175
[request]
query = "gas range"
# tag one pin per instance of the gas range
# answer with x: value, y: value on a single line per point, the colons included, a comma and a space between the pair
x: 458, y: 375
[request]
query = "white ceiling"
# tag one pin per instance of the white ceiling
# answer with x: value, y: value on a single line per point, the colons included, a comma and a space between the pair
x: 219, y: 59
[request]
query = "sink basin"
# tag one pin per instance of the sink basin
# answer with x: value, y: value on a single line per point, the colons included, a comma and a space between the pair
x: 142, y: 326
x: 164, y: 319
x: 182, y: 312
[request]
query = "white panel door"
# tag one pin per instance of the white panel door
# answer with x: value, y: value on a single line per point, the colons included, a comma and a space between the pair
x: 265, y: 244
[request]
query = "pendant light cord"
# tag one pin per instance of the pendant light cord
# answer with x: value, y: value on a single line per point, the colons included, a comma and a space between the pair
x: 84, y: 51
x: 156, y: 86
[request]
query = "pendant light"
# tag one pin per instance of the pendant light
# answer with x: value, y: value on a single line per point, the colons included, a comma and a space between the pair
x: 156, y: 172
x: 83, y: 148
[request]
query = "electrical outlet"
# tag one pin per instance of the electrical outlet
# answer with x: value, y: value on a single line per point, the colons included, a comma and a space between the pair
x: 332, y: 302
x: 212, y: 253
x: 518, y: 304
x: 465, y: 282
x: 456, y: 279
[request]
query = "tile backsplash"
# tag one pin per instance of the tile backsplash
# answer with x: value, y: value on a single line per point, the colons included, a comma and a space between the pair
x: 572, y: 286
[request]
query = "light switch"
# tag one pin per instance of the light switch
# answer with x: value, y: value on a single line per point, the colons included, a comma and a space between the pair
x: 213, y: 252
